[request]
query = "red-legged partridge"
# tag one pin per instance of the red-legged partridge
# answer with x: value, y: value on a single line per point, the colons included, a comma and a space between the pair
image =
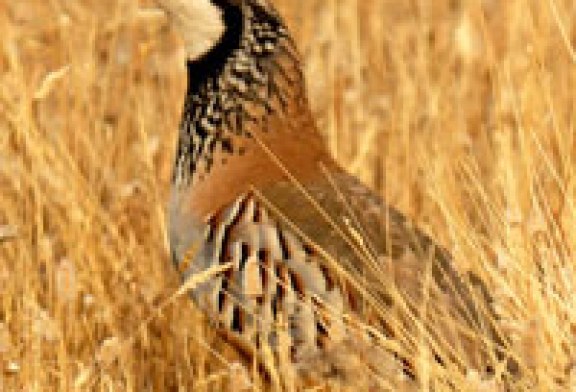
x: 318, y: 265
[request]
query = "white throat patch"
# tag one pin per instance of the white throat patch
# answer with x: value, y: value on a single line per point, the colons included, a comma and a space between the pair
x: 198, y: 22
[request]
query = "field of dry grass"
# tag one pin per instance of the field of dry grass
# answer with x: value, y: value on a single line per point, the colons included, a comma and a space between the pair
x: 460, y: 112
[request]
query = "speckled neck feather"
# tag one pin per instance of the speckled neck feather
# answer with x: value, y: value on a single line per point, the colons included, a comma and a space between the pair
x: 233, y: 87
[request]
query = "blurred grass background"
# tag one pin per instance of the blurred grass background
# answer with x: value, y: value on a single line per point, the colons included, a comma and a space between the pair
x: 459, y: 112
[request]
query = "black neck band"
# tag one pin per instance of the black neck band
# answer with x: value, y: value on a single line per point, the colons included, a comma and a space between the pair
x: 211, y: 64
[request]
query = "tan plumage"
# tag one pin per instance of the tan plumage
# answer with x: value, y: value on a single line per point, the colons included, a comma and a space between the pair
x: 316, y: 256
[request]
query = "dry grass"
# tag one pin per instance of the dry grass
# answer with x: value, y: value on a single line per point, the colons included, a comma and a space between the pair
x: 460, y: 112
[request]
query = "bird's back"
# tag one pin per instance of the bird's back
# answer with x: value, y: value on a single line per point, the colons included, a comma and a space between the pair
x: 321, y: 265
